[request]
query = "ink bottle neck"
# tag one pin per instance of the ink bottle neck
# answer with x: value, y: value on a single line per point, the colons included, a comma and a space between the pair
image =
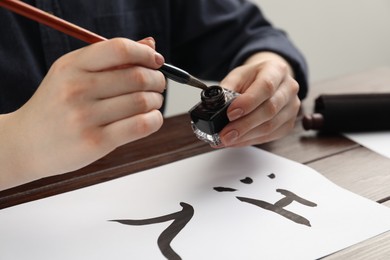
x: 213, y: 97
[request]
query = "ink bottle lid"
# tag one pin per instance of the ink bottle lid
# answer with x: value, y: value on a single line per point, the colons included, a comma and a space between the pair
x: 213, y: 97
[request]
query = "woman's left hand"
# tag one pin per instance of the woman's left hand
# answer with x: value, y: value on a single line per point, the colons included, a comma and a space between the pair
x: 268, y: 105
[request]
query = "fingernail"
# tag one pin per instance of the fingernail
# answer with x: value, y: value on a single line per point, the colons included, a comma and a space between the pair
x: 235, y: 114
x: 159, y: 59
x: 220, y: 146
x: 230, y: 137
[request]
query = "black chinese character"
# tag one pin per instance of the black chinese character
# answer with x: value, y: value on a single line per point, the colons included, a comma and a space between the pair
x: 180, y: 220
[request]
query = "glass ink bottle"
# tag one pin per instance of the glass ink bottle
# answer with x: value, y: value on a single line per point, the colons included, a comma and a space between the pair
x: 209, y: 116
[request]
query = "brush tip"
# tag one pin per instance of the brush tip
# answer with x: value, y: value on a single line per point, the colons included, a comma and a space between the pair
x: 196, y: 83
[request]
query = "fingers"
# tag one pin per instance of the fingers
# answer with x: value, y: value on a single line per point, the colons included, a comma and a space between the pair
x: 90, y: 102
x: 115, y: 52
x: 266, y: 121
x: 117, y: 82
x: 253, y: 137
x: 240, y: 78
x: 112, y: 68
x: 118, y: 108
x: 256, y: 85
x: 267, y: 106
x: 269, y: 131
x: 133, y: 128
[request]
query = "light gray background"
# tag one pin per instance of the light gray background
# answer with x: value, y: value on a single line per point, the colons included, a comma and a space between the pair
x: 336, y: 37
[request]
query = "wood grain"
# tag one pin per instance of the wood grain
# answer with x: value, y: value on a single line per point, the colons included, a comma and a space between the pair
x: 359, y: 170
x: 375, y: 248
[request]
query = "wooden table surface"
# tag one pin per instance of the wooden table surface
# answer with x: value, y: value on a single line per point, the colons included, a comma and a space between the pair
x: 344, y: 162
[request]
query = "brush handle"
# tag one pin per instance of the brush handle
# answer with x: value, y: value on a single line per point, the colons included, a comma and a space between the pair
x: 175, y: 73
x: 50, y: 20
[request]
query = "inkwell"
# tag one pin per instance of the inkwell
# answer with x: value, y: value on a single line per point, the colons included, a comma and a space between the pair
x: 209, y: 116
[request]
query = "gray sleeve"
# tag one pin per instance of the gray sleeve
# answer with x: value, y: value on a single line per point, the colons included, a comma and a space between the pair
x: 211, y: 37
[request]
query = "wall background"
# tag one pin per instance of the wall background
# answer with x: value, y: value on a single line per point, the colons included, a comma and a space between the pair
x: 336, y: 37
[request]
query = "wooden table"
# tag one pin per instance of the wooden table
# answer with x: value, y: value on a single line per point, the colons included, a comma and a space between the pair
x: 344, y: 162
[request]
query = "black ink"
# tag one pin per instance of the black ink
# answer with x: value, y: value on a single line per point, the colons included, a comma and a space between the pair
x: 180, y: 220
x: 278, y: 206
x: 247, y: 180
x: 224, y: 189
x: 272, y: 176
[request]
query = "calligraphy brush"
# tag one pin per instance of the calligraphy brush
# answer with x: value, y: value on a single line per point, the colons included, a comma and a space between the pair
x: 75, y: 31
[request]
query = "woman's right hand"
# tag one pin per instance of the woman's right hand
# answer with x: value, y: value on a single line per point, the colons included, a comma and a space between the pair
x: 91, y: 101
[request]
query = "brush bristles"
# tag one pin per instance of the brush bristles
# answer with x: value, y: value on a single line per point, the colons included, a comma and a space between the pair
x: 196, y: 83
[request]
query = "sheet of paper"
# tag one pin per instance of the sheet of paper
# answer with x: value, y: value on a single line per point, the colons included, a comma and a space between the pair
x: 228, y: 204
x: 378, y: 142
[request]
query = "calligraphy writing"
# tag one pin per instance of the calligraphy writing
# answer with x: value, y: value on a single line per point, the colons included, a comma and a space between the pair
x: 278, y: 207
x: 180, y: 220
x: 182, y: 217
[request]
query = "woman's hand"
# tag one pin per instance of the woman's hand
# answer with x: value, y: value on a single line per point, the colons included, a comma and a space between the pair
x: 91, y: 101
x: 268, y: 105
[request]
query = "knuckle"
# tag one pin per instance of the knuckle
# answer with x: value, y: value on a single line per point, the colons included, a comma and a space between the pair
x: 78, y: 118
x: 120, y: 47
x: 74, y: 89
x: 268, y: 127
x: 142, y: 101
x: 143, y: 126
x: 71, y: 92
x: 272, y: 108
x: 148, y: 79
x: 294, y: 87
x: 89, y: 136
x: 146, y: 126
x: 140, y: 76
x: 60, y: 65
x: 92, y: 139
x: 269, y: 87
x: 297, y: 104
x: 282, y: 67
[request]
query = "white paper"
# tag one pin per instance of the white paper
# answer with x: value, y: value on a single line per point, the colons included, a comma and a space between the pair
x: 76, y: 225
x: 378, y: 142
